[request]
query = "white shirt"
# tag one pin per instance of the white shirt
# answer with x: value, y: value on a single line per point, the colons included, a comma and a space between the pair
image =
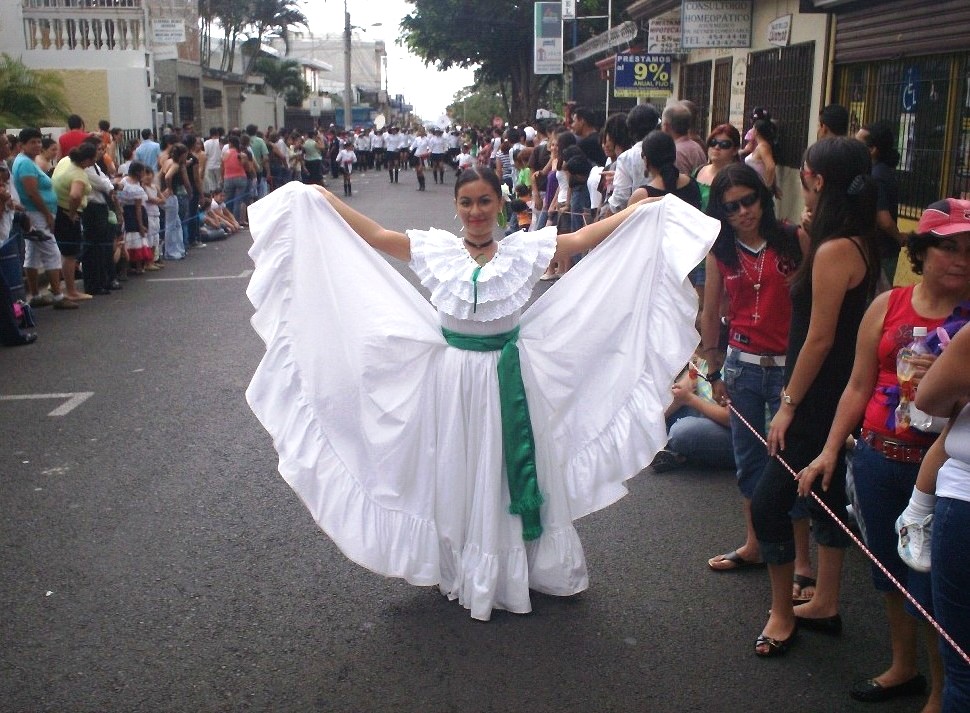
x: 439, y: 144
x: 213, y: 154
x: 953, y: 480
x: 101, y: 185
x: 628, y: 175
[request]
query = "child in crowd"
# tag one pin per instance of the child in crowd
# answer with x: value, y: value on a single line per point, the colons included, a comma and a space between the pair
x: 219, y: 210
x: 152, y: 203
x: 132, y: 198
x: 211, y: 224
x: 346, y: 159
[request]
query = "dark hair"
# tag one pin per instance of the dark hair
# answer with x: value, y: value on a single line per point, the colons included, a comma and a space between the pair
x: 233, y: 141
x: 92, y: 139
x: 760, y: 112
x: 836, y: 118
x: 882, y: 137
x: 847, y: 202
x: 518, y: 205
x: 564, y: 139
x: 104, y: 124
x: 136, y: 169
x: 739, y: 175
x: 729, y: 130
x: 178, y: 151
x: 85, y: 151
x: 29, y: 134
x: 470, y: 175
x: 660, y: 151
x: 146, y: 134
x: 74, y: 122
x: 588, y: 115
x: 45, y: 143
x: 616, y: 128
x: 916, y: 246
x: 642, y: 119
x: 251, y: 129
x: 767, y: 130
x: 579, y: 168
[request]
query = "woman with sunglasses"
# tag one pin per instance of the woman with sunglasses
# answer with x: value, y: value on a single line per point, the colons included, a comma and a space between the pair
x: 751, y: 262
x: 722, y: 150
x: 829, y: 293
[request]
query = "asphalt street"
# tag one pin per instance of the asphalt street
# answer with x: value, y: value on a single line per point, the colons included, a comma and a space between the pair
x: 154, y: 560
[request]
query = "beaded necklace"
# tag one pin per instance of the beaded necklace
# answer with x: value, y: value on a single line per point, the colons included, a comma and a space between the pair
x: 758, y: 265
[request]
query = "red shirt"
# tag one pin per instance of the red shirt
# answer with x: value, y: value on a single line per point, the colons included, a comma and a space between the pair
x: 70, y: 139
x: 897, y: 332
x: 759, y: 319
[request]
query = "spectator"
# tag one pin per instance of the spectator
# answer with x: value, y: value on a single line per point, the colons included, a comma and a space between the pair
x: 833, y: 120
x: 722, y: 150
x: 260, y: 153
x: 676, y: 122
x: 698, y: 428
x: 74, y: 135
x: 830, y: 292
x: 880, y: 138
x: 72, y: 187
x: 629, y: 172
x: 945, y: 391
x: 659, y: 153
x: 98, y: 235
x: 47, y: 157
x: 212, y: 147
x: 148, y: 150
x: 585, y: 125
x: 762, y: 159
x: 37, y: 195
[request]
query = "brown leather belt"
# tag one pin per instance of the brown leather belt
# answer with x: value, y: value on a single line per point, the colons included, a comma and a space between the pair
x: 894, y: 450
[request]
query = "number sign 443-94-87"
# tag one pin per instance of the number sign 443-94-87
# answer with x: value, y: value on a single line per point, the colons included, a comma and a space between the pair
x: 643, y: 75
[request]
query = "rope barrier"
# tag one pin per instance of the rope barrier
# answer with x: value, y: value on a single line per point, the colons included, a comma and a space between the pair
x: 865, y: 550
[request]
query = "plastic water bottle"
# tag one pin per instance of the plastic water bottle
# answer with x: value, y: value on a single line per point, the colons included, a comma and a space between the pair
x: 904, y: 373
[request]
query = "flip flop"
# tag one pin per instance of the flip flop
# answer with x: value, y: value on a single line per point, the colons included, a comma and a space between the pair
x: 732, y: 561
x: 803, y: 583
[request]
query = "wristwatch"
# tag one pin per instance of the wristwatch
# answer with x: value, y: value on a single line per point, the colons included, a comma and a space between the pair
x: 787, y: 399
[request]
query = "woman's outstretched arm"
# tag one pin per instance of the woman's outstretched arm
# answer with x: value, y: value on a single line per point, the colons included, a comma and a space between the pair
x: 389, y: 242
x: 589, y: 236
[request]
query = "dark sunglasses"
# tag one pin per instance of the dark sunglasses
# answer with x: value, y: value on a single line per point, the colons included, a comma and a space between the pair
x: 721, y: 143
x: 732, y: 207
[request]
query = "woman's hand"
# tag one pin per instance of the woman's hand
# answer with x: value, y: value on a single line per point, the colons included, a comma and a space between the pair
x: 919, y: 364
x: 683, y: 389
x: 823, y: 465
x: 778, y: 428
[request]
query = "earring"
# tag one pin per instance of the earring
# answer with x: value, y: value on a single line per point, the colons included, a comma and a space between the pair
x: 456, y: 216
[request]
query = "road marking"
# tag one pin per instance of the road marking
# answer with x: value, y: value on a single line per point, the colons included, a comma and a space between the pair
x: 73, y: 400
x: 242, y: 275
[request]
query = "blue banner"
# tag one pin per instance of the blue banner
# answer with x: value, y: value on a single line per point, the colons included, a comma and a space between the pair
x: 642, y: 75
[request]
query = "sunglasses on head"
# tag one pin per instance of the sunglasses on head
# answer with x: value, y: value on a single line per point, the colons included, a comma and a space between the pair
x: 721, y: 143
x: 732, y: 207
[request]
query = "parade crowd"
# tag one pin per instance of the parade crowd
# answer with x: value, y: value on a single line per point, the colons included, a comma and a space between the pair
x: 861, y: 387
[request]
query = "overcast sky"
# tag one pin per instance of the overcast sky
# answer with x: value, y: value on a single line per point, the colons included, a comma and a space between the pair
x: 427, y: 89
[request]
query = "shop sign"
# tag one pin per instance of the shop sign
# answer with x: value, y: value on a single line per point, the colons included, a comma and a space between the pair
x: 642, y: 75
x: 568, y: 9
x: 779, y: 31
x: 715, y: 23
x: 663, y: 36
x: 168, y: 32
x: 547, y: 58
x: 619, y: 35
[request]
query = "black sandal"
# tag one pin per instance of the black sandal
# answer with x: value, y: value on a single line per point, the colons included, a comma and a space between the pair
x: 776, y: 647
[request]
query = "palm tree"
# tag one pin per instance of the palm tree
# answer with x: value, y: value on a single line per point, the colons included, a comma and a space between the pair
x: 267, y: 16
x: 285, y: 78
x: 30, y: 97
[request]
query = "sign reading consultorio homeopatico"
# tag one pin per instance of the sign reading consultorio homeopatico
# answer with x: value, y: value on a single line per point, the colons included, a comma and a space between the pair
x: 714, y: 23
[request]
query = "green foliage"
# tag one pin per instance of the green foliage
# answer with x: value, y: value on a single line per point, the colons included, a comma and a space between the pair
x: 285, y: 78
x: 30, y: 97
x: 495, y: 37
x: 251, y: 21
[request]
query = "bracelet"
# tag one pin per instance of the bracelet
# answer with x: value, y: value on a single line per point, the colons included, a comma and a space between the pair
x: 714, y: 377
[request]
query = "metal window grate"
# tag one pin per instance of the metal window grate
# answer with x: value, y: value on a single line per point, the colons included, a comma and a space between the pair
x: 721, y: 103
x: 697, y: 88
x: 781, y: 81
x: 928, y: 100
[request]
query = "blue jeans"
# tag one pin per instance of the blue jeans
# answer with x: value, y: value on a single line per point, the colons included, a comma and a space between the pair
x: 882, y: 490
x: 579, y: 203
x: 702, y: 441
x: 235, y: 190
x: 755, y: 393
x: 951, y: 596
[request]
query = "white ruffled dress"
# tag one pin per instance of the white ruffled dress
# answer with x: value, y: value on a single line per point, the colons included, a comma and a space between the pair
x: 393, y: 439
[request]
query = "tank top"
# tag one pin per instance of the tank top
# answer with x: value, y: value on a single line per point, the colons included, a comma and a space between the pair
x: 231, y: 165
x: 953, y: 480
x: 897, y: 332
x: 817, y: 409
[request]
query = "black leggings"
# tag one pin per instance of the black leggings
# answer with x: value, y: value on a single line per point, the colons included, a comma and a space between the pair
x: 98, y: 247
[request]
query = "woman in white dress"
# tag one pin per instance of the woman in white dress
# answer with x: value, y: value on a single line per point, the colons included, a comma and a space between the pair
x: 454, y: 444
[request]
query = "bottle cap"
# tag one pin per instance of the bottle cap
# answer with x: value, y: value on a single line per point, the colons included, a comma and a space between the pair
x: 919, y: 332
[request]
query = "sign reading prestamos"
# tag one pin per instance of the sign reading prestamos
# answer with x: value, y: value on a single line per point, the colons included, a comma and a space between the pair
x: 642, y: 75
x: 716, y: 23
x: 547, y: 57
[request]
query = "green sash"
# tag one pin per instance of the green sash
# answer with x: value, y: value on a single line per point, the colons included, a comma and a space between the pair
x: 518, y: 445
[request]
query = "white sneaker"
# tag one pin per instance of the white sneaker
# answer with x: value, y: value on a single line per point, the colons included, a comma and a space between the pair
x: 914, y: 542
